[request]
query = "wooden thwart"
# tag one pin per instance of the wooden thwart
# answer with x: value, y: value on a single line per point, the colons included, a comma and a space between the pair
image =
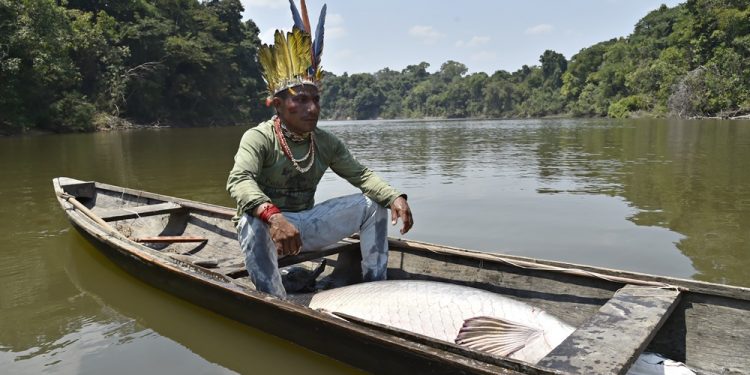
x: 170, y: 239
x: 139, y: 211
x: 611, y: 340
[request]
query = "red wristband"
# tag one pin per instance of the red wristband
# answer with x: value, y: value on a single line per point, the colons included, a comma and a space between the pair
x: 267, y: 212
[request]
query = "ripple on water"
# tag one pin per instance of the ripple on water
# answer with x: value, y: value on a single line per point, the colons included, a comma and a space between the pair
x: 105, y: 347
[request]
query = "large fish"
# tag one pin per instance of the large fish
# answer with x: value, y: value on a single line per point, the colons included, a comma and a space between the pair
x: 471, y: 317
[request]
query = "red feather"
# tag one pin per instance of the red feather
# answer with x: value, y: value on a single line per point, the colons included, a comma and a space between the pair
x: 305, y: 19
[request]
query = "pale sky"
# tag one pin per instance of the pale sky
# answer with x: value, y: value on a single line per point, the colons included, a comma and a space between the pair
x: 485, y: 35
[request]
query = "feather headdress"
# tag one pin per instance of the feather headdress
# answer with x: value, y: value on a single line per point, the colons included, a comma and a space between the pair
x: 294, y: 58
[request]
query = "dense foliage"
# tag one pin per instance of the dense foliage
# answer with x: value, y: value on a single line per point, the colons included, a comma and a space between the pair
x: 686, y: 61
x: 79, y: 64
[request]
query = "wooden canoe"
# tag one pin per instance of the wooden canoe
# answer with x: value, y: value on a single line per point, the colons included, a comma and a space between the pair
x: 190, y: 249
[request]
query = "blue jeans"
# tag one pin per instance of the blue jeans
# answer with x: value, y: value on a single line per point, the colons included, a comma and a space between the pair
x: 320, y: 226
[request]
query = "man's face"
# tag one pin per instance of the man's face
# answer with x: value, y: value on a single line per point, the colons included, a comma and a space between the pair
x: 300, y: 108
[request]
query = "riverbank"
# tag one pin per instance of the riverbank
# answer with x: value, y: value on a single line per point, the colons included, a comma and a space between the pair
x: 740, y: 114
x: 105, y: 123
x: 100, y: 123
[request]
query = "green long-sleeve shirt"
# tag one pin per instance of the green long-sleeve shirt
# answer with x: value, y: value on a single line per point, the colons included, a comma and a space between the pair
x: 262, y: 173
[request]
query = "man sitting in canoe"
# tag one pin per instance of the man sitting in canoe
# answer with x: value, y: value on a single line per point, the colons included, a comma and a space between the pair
x: 280, y: 162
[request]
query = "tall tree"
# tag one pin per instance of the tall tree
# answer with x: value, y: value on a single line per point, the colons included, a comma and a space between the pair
x: 553, y: 66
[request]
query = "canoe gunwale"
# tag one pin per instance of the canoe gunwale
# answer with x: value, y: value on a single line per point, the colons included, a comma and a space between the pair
x: 628, y: 277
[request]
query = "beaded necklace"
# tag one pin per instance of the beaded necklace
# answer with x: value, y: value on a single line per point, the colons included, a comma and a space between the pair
x: 288, y: 152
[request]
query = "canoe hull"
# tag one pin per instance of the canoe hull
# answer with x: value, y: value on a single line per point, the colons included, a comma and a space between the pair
x: 704, y: 326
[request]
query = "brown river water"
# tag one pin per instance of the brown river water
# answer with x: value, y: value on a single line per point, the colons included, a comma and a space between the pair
x: 652, y: 196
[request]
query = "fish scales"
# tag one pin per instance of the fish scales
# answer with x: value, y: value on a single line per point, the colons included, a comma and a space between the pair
x: 439, y: 310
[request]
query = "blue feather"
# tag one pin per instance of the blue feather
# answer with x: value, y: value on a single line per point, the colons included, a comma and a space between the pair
x: 295, y: 16
x: 318, y: 43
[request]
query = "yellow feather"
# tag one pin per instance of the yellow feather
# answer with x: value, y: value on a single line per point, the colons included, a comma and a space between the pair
x: 303, y: 52
x: 265, y: 58
x: 280, y: 55
x: 299, y: 45
x: 290, y: 53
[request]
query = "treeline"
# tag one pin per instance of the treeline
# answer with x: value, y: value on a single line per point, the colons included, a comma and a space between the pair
x: 78, y: 65
x: 688, y: 61
x: 73, y: 65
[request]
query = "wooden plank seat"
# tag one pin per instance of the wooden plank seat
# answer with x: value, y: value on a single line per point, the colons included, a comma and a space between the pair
x: 170, y: 239
x: 611, y: 340
x: 139, y: 211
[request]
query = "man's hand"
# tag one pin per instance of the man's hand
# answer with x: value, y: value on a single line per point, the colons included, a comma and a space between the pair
x: 285, y: 236
x: 400, y: 209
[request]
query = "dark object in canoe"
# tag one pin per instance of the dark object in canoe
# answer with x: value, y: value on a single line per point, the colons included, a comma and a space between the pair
x: 193, y: 253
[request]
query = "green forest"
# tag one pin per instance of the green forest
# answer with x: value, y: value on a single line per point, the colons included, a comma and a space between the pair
x: 82, y: 65
x: 79, y: 65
